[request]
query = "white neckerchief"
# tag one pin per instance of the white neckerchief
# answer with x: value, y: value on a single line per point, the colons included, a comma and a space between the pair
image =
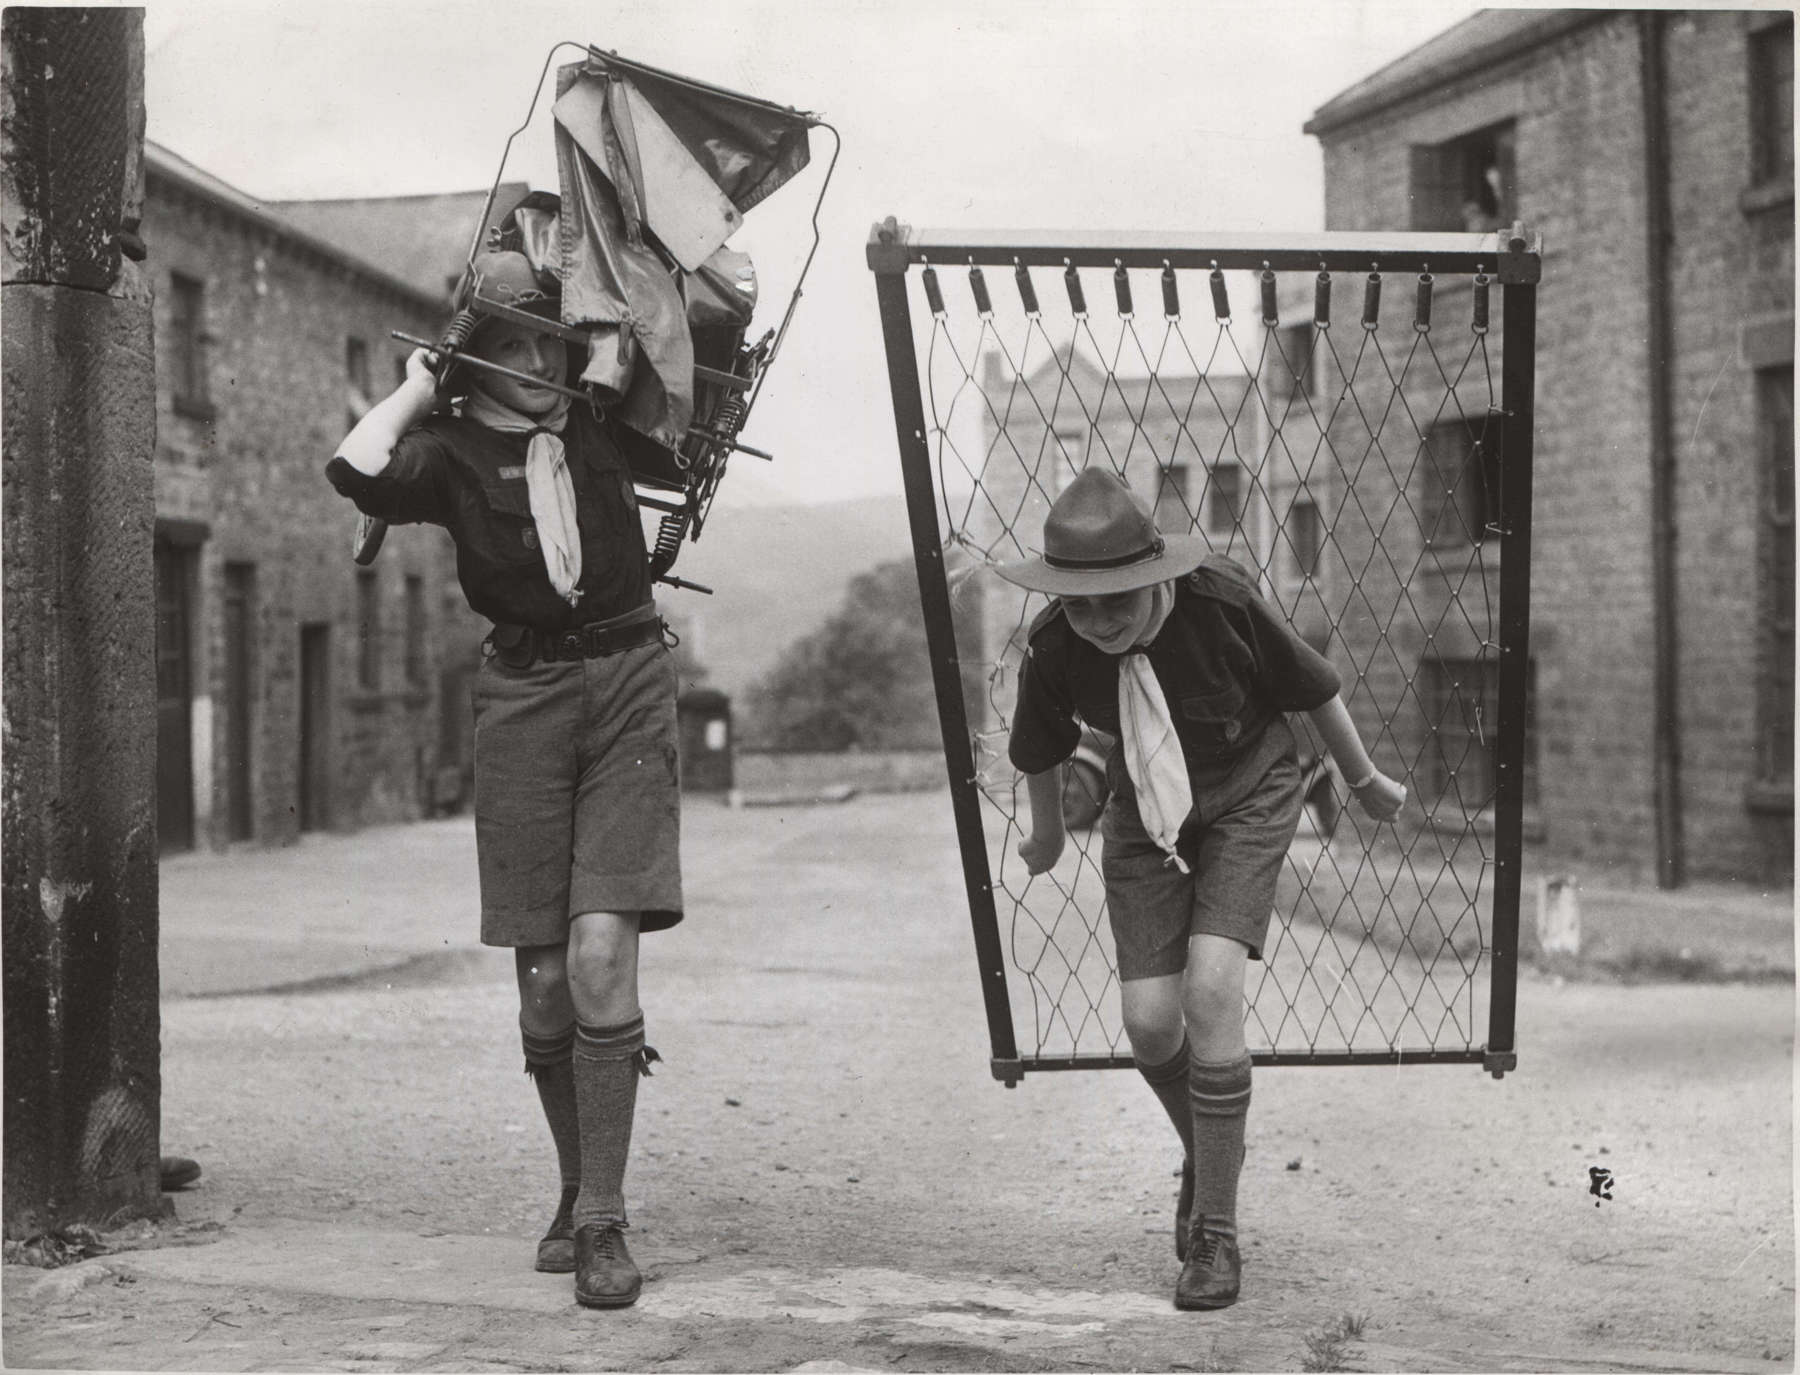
x: 547, y: 483
x: 1153, y: 755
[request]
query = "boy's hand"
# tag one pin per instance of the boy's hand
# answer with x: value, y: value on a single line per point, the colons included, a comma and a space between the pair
x: 1040, y: 853
x: 421, y: 368
x: 1381, y: 797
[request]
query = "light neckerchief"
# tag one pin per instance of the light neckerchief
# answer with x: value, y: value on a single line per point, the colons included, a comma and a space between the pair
x: 1153, y: 755
x: 547, y: 483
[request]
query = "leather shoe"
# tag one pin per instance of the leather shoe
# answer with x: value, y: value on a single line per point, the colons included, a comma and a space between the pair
x: 177, y: 1171
x: 1184, y: 1210
x: 556, y: 1251
x: 605, y: 1276
x: 1213, y: 1270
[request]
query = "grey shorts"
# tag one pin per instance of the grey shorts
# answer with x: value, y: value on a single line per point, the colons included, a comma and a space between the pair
x: 577, y: 794
x: 1235, y: 844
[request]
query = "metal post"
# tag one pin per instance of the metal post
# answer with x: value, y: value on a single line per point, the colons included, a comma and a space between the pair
x: 1518, y: 383
x: 887, y: 259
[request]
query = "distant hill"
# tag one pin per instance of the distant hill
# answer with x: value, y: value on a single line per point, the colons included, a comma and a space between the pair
x: 777, y: 572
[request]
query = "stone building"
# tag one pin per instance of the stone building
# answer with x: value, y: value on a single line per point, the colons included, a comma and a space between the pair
x: 1654, y: 152
x: 296, y: 691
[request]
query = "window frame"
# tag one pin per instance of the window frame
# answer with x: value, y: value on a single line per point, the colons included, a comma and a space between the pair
x: 1440, y: 184
x: 1462, y: 532
x: 368, y: 630
x: 190, y: 379
x: 1771, y: 136
x: 1774, y: 741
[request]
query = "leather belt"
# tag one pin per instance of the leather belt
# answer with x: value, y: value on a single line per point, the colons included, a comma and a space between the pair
x: 578, y: 642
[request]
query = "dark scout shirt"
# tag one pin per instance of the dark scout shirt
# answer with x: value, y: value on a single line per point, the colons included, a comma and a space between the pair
x: 453, y: 472
x: 1228, y: 665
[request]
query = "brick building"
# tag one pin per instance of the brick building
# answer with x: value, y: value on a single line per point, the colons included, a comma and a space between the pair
x: 296, y: 691
x: 1654, y: 152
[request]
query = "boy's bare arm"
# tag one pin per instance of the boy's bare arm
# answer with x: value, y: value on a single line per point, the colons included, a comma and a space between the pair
x: 1381, y: 797
x: 370, y: 444
x: 1044, y: 846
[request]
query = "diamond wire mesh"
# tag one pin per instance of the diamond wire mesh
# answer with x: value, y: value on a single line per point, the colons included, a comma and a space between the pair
x: 1339, y: 448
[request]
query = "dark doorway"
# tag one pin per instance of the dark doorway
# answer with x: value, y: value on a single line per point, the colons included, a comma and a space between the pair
x: 174, y: 696
x: 240, y: 677
x: 315, y: 727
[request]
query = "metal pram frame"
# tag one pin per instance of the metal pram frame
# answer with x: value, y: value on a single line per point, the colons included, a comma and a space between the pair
x: 729, y: 373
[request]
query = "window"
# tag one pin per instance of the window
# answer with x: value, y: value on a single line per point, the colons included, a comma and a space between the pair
x: 356, y: 373
x: 1065, y: 455
x: 415, y: 629
x: 240, y: 699
x: 1457, y: 482
x: 1461, y: 699
x: 187, y: 327
x: 1305, y: 536
x: 368, y: 630
x: 1772, y: 103
x: 1173, y: 514
x: 1466, y: 183
x: 1225, y: 505
x: 1775, y: 610
x: 1294, y: 367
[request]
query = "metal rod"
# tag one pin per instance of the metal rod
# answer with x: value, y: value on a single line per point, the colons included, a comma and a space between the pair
x: 940, y: 637
x: 472, y: 361
x: 837, y: 146
x: 487, y: 207
x: 513, y: 315
x: 1518, y: 386
x: 722, y: 379
x: 1039, y: 1064
x: 1444, y: 254
x: 606, y: 56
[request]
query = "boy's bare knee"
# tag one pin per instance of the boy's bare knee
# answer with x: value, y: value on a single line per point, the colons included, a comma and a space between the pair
x: 1212, y: 1003
x: 543, y: 988
x: 603, y: 969
x: 1151, y: 1011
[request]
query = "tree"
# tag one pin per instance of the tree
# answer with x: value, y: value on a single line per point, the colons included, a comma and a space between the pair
x: 860, y: 681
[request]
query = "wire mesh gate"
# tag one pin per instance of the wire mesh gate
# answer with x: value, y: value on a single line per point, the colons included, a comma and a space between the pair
x: 1349, y: 447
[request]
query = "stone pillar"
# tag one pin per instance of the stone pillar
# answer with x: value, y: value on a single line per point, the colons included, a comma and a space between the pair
x: 82, y: 1081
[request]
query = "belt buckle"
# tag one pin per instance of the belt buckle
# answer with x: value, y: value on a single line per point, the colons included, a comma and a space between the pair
x: 573, y: 645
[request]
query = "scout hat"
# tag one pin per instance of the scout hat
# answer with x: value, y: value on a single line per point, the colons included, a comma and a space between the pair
x: 1099, y: 539
x: 508, y: 277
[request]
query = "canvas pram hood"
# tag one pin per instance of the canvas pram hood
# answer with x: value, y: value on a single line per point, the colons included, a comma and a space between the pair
x: 655, y: 172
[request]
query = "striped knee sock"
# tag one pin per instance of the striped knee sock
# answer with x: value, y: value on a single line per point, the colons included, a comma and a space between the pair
x: 606, y: 1075
x: 1220, y: 1096
x: 549, y: 1062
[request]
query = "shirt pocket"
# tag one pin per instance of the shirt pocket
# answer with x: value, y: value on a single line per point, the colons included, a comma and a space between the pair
x: 506, y: 517
x: 607, y: 502
x: 1215, y: 722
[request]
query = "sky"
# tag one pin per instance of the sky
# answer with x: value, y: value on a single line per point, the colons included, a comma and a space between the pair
x: 1081, y: 115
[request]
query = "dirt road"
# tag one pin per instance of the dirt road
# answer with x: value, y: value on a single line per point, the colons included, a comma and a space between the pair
x: 824, y: 1172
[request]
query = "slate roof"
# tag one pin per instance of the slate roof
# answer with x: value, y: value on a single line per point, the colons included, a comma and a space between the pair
x: 1485, y: 39
x: 422, y: 239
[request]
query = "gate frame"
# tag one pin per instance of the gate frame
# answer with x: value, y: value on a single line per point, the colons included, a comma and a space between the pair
x: 1514, y: 259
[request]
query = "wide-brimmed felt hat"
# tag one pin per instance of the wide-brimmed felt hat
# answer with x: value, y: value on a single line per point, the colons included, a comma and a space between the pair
x: 1099, y: 539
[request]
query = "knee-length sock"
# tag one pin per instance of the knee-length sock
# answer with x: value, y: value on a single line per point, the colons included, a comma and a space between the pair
x: 607, y: 1065
x: 549, y: 1060
x: 1169, y: 1082
x: 1220, y: 1094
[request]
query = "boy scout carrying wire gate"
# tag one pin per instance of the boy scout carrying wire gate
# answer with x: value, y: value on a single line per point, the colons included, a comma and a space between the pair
x: 1177, y: 655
